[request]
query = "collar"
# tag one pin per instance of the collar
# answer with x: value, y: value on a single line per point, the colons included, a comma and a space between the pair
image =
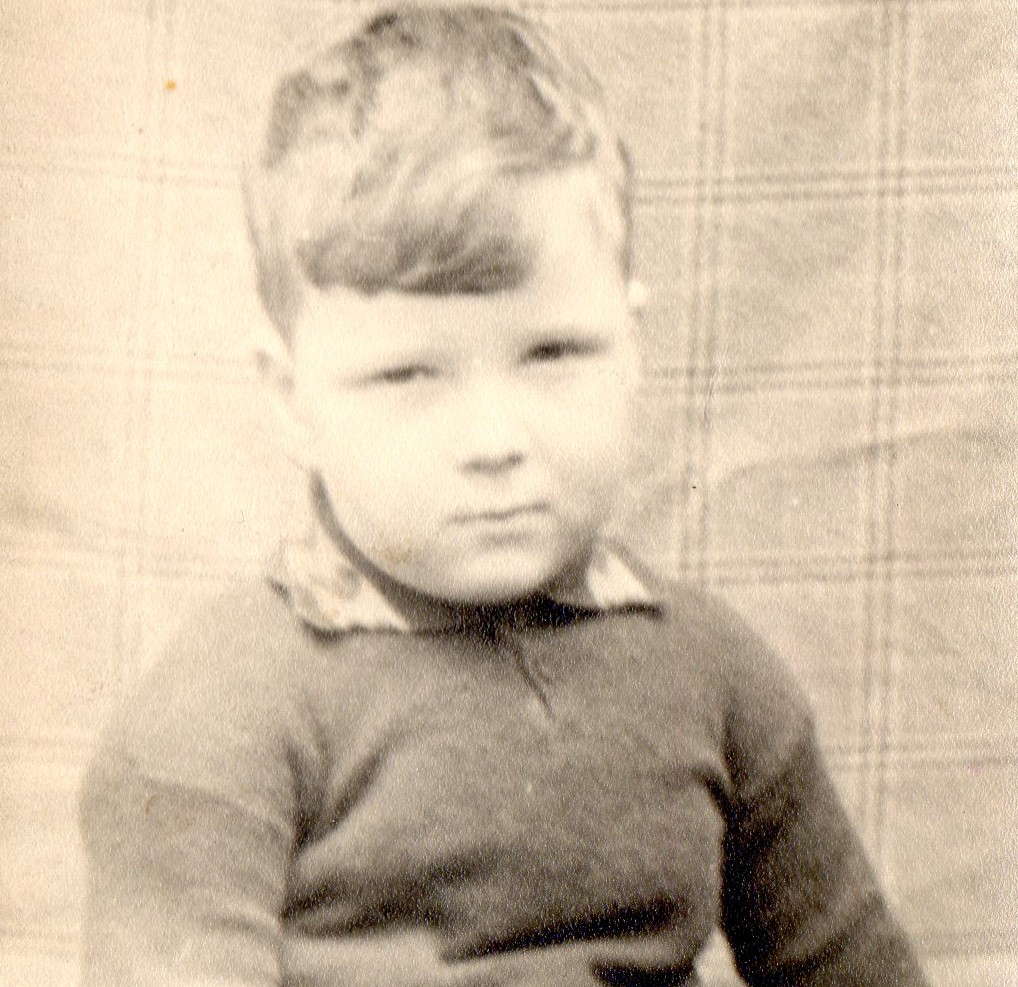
x: 331, y: 593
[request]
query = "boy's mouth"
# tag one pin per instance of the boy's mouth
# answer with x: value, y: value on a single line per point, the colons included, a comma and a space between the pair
x: 500, y: 515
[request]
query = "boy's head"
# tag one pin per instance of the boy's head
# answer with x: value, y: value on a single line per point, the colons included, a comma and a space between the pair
x: 441, y: 223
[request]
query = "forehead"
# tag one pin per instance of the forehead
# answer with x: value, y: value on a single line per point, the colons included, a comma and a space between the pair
x: 575, y: 281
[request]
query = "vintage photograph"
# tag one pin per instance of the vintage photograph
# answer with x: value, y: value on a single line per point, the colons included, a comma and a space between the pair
x: 509, y: 494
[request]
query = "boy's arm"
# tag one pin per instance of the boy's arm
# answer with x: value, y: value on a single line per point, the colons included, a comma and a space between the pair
x: 188, y: 816
x: 800, y: 903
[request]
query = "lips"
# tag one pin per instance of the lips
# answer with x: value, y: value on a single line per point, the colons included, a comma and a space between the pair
x: 500, y: 515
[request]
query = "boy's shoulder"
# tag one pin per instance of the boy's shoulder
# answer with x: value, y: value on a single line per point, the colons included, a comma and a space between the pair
x: 703, y: 617
x: 241, y: 664
x: 706, y: 628
x: 248, y: 619
x: 242, y: 645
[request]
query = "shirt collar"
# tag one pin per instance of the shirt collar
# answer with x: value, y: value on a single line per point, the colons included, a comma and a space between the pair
x: 331, y: 593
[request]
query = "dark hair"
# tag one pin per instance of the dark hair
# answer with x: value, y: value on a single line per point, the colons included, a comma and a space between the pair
x: 390, y: 158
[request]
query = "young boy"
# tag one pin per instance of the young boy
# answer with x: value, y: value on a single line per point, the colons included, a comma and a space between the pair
x: 459, y: 739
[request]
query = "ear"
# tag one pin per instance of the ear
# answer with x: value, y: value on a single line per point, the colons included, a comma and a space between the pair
x: 638, y: 298
x: 277, y: 377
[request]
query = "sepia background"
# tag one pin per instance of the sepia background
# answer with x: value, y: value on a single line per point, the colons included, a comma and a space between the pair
x: 827, y: 223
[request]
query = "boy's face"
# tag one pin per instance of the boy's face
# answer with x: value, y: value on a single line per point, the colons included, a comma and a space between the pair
x: 473, y: 446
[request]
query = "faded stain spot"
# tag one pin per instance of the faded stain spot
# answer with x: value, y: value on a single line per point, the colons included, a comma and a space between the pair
x: 170, y: 85
x: 396, y: 555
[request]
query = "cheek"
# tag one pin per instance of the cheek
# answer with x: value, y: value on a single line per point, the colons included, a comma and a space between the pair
x: 369, y: 443
x: 375, y: 467
x: 587, y: 433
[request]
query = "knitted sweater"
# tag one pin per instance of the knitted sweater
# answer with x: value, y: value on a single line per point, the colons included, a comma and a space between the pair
x: 540, y: 795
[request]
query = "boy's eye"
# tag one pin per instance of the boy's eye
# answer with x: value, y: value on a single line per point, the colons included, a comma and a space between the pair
x: 551, y: 350
x: 409, y: 373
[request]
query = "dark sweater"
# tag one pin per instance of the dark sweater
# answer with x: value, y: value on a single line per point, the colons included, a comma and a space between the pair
x: 543, y: 795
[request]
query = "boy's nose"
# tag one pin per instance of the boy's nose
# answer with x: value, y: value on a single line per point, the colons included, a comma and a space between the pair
x: 491, y: 436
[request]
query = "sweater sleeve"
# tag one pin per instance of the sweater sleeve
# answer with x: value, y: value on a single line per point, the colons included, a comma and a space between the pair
x: 800, y: 903
x: 188, y: 817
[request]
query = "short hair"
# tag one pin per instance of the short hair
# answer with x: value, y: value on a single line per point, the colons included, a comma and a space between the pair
x: 389, y: 154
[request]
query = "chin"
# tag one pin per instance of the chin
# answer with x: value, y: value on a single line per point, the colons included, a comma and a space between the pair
x: 495, y: 584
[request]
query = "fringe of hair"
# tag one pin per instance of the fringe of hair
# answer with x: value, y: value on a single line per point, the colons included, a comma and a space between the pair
x: 387, y: 157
